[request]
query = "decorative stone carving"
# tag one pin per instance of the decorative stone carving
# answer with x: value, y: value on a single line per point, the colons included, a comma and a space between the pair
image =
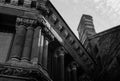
x: 41, y: 5
x: 24, y: 73
x: 60, y: 28
x: 65, y: 33
x: 76, y: 46
x: 14, y: 2
x: 22, y: 24
x: 27, y: 3
x: 53, y: 19
x: 26, y: 21
x: 71, y: 40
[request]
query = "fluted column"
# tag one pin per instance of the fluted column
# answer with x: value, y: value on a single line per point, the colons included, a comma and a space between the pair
x: 45, y: 54
x: 18, y: 42
x: 36, y: 45
x: 28, y: 44
x: 41, y: 49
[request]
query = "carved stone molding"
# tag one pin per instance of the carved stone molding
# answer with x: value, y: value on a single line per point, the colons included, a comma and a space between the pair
x: 74, y: 65
x: 25, y: 21
x: 60, y: 51
x: 48, y: 35
x: 41, y: 5
x: 24, y: 73
x: 14, y: 2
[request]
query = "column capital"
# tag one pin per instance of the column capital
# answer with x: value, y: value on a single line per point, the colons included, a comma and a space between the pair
x: 74, y: 65
x: 37, y: 28
x: 26, y: 22
x: 30, y: 28
x: 60, y: 51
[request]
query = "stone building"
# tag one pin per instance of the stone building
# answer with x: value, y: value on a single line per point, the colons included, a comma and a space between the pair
x: 104, y: 49
x: 36, y: 44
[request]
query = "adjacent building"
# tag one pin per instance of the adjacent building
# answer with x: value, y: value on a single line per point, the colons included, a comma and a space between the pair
x: 103, y: 47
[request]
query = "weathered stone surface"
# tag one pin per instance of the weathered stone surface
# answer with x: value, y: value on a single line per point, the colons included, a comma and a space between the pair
x: 5, y: 42
x: 108, y: 44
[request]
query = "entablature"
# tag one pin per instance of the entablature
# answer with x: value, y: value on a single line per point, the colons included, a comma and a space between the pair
x: 69, y: 40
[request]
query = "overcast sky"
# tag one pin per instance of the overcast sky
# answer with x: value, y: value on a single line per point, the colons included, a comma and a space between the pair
x: 106, y: 13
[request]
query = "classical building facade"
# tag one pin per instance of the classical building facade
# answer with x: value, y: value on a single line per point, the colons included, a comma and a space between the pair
x: 37, y: 45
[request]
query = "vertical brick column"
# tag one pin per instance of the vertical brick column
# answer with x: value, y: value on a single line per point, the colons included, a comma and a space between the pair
x: 45, y: 54
x: 28, y: 44
x: 36, y: 45
x: 18, y: 42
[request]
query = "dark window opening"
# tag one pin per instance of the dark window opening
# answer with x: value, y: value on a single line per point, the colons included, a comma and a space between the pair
x: 20, y: 2
x: 33, y: 4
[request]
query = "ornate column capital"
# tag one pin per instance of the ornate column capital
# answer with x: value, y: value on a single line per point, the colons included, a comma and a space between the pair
x: 74, y: 65
x: 60, y: 51
x: 26, y: 21
x: 45, y: 29
x: 14, y: 2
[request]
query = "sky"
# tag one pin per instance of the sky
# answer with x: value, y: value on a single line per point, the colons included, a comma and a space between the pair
x: 105, y: 13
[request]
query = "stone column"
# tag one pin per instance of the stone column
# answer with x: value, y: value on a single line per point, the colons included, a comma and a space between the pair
x: 55, y: 68
x: 18, y: 42
x: 36, y: 45
x: 69, y: 76
x: 61, y: 63
x: 28, y: 44
x: 74, y: 71
x: 45, y: 54
x: 41, y: 49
